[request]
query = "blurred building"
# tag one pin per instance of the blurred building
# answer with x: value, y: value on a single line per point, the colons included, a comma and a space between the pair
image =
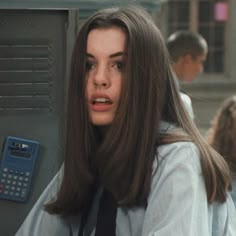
x: 215, y: 20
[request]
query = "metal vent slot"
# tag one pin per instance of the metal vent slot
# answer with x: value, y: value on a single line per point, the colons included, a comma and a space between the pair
x: 14, y: 64
x: 25, y: 77
x: 24, y: 102
x: 29, y: 51
x: 24, y: 89
x: 39, y: 76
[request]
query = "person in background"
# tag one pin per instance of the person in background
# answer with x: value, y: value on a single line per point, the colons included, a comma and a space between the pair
x: 188, y: 52
x: 222, y: 135
x: 135, y: 164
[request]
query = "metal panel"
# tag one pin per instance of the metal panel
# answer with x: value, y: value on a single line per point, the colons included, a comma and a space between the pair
x: 32, y: 95
x: 89, y: 5
x: 17, y: 58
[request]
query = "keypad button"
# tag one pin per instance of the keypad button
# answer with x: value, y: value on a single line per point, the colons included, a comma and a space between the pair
x: 23, y: 193
x: 9, y: 176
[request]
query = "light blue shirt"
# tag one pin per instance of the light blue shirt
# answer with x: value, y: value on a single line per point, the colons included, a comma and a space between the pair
x: 187, y: 104
x: 233, y: 193
x: 177, y: 204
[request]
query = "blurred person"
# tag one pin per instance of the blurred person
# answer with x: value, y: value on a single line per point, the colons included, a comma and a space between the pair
x: 188, y: 52
x: 222, y: 135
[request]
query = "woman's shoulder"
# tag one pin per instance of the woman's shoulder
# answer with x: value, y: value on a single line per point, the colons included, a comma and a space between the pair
x: 178, y: 152
x: 174, y: 160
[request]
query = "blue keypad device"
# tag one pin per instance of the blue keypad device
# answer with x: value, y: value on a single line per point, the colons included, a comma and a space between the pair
x: 17, y: 168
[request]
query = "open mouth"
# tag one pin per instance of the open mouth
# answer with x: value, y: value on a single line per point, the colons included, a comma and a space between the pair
x: 97, y: 101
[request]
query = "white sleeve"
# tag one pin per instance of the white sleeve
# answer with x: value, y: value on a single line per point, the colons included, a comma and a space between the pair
x: 39, y: 222
x: 177, y: 204
x: 187, y: 104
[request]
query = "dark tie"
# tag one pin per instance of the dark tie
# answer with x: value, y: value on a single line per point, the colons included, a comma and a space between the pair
x: 106, y: 219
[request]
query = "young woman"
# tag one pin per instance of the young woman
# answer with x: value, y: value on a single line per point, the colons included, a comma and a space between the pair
x: 134, y: 162
x: 222, y: 135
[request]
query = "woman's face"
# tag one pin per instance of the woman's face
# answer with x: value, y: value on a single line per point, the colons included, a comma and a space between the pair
x: 105, y: 71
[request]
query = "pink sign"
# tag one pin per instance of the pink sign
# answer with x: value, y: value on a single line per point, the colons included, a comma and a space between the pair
x: 221, y: 11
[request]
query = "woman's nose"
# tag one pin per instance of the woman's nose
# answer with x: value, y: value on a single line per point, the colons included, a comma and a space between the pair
x: 101, y: 77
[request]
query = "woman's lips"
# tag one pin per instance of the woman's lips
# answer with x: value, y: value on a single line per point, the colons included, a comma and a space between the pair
x: 100, y: 107
x: 100, y: 103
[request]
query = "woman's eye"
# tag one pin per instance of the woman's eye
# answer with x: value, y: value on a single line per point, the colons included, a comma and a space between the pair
x: 119, y: 65
x: 89, y: 66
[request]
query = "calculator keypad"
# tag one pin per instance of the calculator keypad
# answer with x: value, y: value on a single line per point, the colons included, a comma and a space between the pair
x: 14, y: 184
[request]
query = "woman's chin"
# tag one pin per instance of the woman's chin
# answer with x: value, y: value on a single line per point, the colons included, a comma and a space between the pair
x: 101, y: 120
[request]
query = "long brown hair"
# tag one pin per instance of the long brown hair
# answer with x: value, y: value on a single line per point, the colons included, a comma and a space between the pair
x: 222, y: 133
x: 122, y: 161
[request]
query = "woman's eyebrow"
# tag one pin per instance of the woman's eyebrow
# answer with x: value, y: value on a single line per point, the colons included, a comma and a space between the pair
x: 117, y: 54
x: 90, y: 55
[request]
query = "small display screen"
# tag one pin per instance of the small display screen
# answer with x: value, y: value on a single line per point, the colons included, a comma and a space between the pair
x: 20, y: 150
x: 20, y: 154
